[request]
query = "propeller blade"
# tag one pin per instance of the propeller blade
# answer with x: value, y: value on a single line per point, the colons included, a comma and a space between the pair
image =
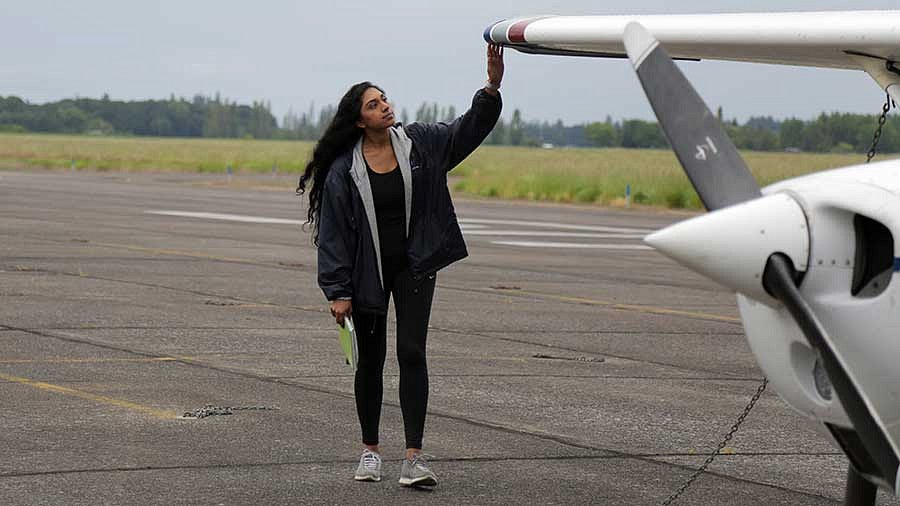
x: 779, y: 279
x: 708, y: 156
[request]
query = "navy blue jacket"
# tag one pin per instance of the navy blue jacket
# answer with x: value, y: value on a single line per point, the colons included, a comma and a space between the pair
x: 348, y: 259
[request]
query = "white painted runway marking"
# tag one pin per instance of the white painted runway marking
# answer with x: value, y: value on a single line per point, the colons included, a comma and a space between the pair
x: 590, y: 232
x: 542, y: 233
x: 564, y: 226
x: 479, y: 227
x: 572, y: 245
x: 228, y: 217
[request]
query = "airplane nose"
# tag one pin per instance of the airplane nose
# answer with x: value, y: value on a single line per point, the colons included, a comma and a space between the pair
x: 732, y: 245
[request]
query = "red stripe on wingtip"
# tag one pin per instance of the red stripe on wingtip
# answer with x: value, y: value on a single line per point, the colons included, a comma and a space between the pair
x: 516, y: 32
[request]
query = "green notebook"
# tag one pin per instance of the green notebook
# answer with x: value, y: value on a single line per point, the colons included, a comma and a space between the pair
x: 348, y: 342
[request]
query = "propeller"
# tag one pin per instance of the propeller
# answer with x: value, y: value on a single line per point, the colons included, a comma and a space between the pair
x: 722, y: 179
x: 708, y: 156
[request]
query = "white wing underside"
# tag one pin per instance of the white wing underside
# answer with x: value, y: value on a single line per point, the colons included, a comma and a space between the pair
x: 817, y: 39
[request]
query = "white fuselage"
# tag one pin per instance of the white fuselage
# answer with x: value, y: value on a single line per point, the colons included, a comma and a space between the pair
x: 864, y: 328
x: 838, y: 229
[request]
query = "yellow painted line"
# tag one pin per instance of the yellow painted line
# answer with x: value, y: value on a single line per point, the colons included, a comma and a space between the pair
x: 564, y: 298
x: 264, y: 305
x: 102, y: 399
x: 677, y: 312
x: 86, y: 360
x: 625, y: 307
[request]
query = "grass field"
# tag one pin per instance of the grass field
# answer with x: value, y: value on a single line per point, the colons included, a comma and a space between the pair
x: 560, y: 175
x: 150, y: 153
x: 601, y: 175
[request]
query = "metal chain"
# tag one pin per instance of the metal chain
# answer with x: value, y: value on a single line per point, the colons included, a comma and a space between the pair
x: 877, y: 137
x: 734, y: 428
x: 210, y: 410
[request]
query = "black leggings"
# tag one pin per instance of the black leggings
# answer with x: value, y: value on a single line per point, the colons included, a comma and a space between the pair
x: 412, y: 302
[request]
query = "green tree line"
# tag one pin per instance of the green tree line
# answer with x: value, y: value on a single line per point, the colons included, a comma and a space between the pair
x: 216, y: 117
x: 199, y: 117
x: 830, y: 132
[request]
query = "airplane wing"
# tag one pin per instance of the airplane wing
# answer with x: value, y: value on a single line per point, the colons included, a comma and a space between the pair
x: 818, y: 39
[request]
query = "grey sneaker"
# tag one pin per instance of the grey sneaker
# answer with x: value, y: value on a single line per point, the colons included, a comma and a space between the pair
x: 369, y: 467
x: 415, y: 473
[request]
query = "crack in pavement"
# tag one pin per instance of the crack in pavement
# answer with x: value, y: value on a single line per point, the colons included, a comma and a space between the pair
x: 525, y: 375
x: 551, y: 458
x: 589, y: 332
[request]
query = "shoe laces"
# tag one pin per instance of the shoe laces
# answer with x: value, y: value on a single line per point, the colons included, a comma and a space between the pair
x: 371, y: 459
x: 420, y: 459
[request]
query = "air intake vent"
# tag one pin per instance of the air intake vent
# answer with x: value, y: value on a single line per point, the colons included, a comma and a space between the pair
x: 874, y: 263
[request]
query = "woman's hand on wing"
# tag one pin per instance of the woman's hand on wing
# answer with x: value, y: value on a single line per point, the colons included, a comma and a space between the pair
x: 341, y: 309
x: 495, y: 64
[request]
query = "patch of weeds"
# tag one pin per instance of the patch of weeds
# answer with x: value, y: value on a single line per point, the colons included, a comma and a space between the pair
x: 587, y: 194
x: 675, y: 199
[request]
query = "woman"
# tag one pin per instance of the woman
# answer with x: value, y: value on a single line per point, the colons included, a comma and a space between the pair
x: 384, y: 225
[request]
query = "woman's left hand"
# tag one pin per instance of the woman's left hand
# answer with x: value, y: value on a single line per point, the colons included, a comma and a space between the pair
x: 495, y: 64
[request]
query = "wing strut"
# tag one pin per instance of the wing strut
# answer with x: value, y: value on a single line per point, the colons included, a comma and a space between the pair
x: 884, y: 72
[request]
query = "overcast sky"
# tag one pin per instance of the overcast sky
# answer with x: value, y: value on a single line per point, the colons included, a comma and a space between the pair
x: 294, y: 53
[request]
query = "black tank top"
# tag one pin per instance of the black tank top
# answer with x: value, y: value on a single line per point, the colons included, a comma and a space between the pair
x: 390, y: 214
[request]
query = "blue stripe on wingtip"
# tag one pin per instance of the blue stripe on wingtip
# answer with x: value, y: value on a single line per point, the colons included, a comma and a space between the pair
x: 896, y: 264
x: 487, y: 32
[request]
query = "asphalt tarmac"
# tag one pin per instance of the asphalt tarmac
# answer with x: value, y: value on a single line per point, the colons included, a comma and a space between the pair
x: 568, y: 363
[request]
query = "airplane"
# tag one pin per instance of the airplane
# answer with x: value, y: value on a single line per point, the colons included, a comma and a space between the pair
x: 812, y: 259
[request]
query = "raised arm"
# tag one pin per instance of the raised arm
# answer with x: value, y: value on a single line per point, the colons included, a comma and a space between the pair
x: 453, y: 142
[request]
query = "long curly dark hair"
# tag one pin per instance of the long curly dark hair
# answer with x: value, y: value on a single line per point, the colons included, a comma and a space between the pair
x: 341, y: 135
